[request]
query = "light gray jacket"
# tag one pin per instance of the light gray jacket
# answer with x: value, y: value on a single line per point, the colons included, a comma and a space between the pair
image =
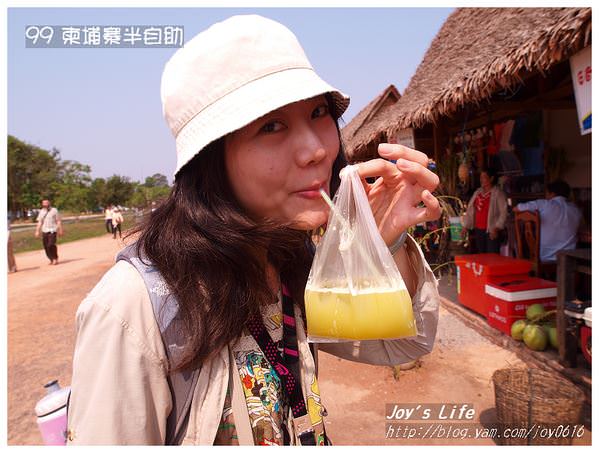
x: 497, y: 210
x: 119, y: 389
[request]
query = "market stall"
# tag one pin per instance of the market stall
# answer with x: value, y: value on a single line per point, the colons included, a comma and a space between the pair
x: 499, y: 86
x: 507, y: 88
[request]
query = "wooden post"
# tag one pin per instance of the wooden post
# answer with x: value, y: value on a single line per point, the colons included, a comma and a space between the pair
x: 437, y: 141
x: 546, y: 144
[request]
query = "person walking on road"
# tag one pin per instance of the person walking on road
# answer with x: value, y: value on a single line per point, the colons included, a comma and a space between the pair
x: 12, y: 264
x: 48, y: 222
x: 108, y: 218
x: 117, y: 219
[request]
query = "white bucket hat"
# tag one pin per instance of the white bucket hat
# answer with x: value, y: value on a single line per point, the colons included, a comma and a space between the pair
x: 231, y: 74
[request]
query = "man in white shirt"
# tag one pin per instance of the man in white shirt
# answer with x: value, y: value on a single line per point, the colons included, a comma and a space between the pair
x: 48, y: 222
x: 108, y: 218
x: 560, y: 219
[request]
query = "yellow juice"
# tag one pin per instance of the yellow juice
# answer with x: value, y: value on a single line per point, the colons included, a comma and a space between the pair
x: 368, y: 315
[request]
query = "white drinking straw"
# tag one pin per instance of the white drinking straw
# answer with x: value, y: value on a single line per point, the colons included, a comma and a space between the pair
x: 365, y: 258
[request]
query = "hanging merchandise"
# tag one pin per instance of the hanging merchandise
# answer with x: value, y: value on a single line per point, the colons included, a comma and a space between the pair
x: 494, y: 138
x: 526, y: 140
x: 463, y: 172
x: 478, y: 149
x: 528, y: 131
x: 506, y: 135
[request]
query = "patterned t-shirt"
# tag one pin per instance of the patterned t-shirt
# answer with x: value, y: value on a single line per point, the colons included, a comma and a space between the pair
x: 261, y: 385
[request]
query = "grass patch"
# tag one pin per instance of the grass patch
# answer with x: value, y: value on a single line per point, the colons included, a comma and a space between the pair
x: 25, y: 241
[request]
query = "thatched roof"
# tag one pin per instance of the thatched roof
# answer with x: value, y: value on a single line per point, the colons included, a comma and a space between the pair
x: 367, y: 120
x: 480, y: 51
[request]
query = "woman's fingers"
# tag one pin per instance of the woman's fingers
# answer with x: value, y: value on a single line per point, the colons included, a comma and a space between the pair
x: 412, y: 163
x: 417, y: 174
x: 412, y: 171
x: 395, y: 152
x: 377, y: 167
x: 432, y: 211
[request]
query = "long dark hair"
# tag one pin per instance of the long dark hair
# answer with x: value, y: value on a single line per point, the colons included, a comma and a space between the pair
x: 208, y: 251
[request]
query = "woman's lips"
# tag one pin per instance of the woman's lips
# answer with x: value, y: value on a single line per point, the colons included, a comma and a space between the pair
x: 309, y: 194
x: 313, y: 192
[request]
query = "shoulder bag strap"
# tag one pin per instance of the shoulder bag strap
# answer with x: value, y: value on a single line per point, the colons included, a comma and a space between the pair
x: 165, y: 307
x: 286, y: 367
x: 44, y: 218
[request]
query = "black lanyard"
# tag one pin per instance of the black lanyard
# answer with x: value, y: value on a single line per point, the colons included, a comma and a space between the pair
x: 287, y: 364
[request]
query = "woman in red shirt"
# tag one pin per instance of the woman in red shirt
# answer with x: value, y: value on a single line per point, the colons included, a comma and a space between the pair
x: 487, y: 213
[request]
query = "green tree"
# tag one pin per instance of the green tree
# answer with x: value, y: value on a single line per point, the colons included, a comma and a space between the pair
x: 72, y: 187
x: 156, y: 180
x: 155, y: 188
x: 31, y: 171
x: 119, y: 189
x: 97, y: 195
x: 34, y: 174
x: 139, y: 197
x: 144, y: 196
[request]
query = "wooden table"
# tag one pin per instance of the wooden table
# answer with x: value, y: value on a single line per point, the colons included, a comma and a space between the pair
x: 584, y: 238
x: 569, y: 263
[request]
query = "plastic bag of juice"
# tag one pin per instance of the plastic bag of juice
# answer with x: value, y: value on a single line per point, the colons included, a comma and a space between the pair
x: 354, y: 290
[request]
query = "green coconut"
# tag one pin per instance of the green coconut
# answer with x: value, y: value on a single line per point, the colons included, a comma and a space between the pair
x: 518, y: 329
x: 553, y: 337
x: 535, y: 311
x: 534, y: 337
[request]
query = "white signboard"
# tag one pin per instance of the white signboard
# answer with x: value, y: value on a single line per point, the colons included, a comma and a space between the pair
x: 580, y: 65
x: 405, y: 137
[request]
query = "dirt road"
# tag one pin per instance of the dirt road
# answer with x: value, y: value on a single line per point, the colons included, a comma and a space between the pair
x: 42, y: 301
x: 458, y: 371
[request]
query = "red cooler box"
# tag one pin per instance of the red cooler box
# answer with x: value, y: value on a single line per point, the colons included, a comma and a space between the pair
x: 474, y: 272
x: 508, y: 299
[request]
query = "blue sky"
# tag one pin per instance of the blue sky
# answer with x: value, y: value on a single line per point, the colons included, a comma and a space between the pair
x: 102, y: 106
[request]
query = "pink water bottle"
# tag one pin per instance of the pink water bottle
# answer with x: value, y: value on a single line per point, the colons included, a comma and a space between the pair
x: 51, y: 413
